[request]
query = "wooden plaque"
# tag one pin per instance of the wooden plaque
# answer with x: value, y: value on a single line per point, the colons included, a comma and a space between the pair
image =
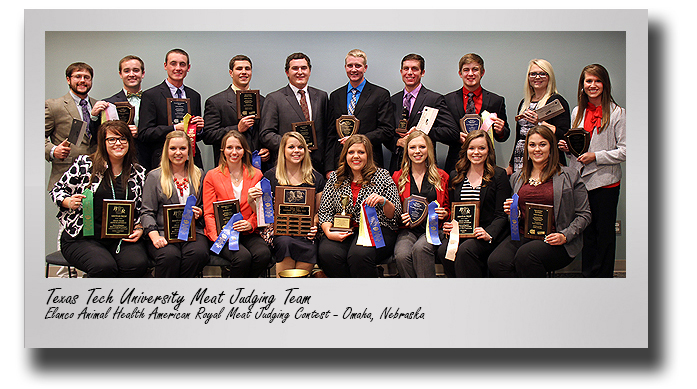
x: 294, y: 208
x: 467, y: 215
x: 347, y: 125
x: 223, y: 211
x: 172, y: 219
x: 470, y: 122
x: 538, y: 220
x: 417, y: 208
x: 577, y: 140
x: 117, y: 218
x: 126, y: 111
x: 307, y: 130
x: 177, y: 109
x: 248, y: 103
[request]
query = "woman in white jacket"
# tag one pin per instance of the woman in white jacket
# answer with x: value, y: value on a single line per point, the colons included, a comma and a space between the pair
x: 599, y: 167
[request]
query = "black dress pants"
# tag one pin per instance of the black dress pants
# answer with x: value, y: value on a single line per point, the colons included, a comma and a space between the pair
x: 598, y: 255
x: 180, y: 259
x: 99, y: 258
x: 346, y: 259
x: 251, y: 260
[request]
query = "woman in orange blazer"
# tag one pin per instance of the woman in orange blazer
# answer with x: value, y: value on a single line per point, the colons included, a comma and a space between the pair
x: 415, y: 257
x: 232, y: 179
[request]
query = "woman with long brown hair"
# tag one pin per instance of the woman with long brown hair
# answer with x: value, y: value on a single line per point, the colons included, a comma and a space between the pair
x: 232, y: 179
x: 110, y: 173
x: 600, y: 168
x: 477, y: 178
x: 419, y: 175
x: 172, y: 183
x: 361, y: 182
x: 543, y: 180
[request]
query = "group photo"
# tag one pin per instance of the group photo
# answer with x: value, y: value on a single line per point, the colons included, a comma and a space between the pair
x: 372, y: 154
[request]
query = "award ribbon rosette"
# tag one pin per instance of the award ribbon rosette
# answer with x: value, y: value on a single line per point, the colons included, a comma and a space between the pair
x: 369, y: 232
x: 88, y: 213
x: 488, y: 123
x: 515, y: 228
x: 265, y: 206
x: 187, y: 217
x: 190, y: 132
x: 256, y: 159
x: 228, y: 234
x: 432, y: 224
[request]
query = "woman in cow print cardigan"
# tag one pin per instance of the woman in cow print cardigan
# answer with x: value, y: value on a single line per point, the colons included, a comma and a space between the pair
x: 111, y: 173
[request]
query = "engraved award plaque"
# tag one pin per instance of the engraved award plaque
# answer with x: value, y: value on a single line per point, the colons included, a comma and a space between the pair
x: 126, y: 111
x: 417, y: 208
x: 223, y: 211
x: 248, y: 103
x: 78, y: 129
x: 177, y: 109
x: 117, y: 218
x: 307, y: 130
x: 470, y: 122
x: 402, y: 127
x: 549, y: 111
x: 578, y: 140
x: 467, y: 215
x: 342, y: 221
x: 347, y: 125
x: 295, y: 210
x: 538, y: 220
x: 172, y: 218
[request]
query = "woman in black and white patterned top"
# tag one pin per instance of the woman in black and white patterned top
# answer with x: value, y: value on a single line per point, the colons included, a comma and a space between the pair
x: 358, y: 178
x: 111, y: 172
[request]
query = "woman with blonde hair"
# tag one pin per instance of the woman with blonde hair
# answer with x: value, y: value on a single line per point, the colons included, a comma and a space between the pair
x: 477, y: 178
x: 172, y: 183
x: 358, y: 180
x: 419, y: 175
x: 540, y: 89
x: 232, y: 179
x: 600, y: 169
x: 294, y: 168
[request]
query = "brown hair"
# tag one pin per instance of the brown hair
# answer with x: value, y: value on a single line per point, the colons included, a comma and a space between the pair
x: 101, y: 165
x: 246, y: 158
x: 343, y: 172
x: 240, y: 57
x: 553, y: 167
x: 75, y: 66
x: 606, y: 99
x: 463, y: 164
x: 471, y: 57
x: 298, y: 56
x: 130, y: 57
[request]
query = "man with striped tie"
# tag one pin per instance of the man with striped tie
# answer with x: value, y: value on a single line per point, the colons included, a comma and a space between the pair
x: 154, y: 118
x: 369, y: 103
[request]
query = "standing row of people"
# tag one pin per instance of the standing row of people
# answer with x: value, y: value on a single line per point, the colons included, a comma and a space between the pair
x: 357, y: 171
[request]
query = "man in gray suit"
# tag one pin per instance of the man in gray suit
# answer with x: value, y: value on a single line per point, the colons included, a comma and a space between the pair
x: 59, y: 115
x: 220, y: 112
x: 295, y: 103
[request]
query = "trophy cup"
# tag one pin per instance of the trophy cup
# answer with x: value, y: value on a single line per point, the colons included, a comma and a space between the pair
x: 342, y: 221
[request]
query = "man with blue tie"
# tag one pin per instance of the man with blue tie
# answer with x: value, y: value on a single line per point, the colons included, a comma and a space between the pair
x: 369, y: 103
x: 132, y: 72
x: 154, y: 122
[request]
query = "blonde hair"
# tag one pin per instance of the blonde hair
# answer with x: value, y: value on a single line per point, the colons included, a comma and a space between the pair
x: 166, y: 177
x: 305, y: 164
x: 432, y: 174
x: 358, y: 54
x: 530, y: 92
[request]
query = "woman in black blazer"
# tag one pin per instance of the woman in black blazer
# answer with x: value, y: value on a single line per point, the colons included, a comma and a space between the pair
x: 172, y: 183
x: 477, y: 178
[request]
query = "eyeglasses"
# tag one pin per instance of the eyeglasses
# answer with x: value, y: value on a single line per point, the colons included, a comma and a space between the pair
x: 112, y: 140
x: 536, y: 74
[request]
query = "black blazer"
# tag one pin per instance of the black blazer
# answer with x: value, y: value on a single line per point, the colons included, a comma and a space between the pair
x: 444, y: 130
x: 562, y: 122
x: 144, y: 152
x: 282, y: 109
x: 153, y: 126
x: 491, y: 102
x: 220, y: 117
x: 373, y: 109
x: 491, y: 197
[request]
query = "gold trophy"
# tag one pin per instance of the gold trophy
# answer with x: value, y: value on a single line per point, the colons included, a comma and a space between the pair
x: 342, y: 221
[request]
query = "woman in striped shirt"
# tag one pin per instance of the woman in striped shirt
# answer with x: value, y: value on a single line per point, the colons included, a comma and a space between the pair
x: 477, y: 178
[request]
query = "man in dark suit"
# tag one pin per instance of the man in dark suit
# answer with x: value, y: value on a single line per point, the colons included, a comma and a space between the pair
x: 294, y: 103
x: 154, y: 124
x: 132, y: 71
x: 59, y: 115
x: 472, y: 98
x: 368, y: 102
x: 410, y: 103
x: 220, y: 112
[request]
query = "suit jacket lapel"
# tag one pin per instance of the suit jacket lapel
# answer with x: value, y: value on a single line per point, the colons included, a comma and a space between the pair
x: 460, y: 105
x: 365, y: 95
x: 314, y: 101
x: 485, y: 101
x: 417, y: 107
x: 558, y: 183
x: 231, y: 96
x: 70, y: 106
x: 293, y: 101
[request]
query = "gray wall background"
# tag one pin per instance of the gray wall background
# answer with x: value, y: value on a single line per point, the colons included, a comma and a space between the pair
x: 506, y: 54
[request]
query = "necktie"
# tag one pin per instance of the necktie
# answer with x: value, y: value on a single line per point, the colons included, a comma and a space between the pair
x: 179, y: 93
x: 86, y: 116
x: 303, y: 105
x: 407, y: 101
x: 470, y: 104
x: 352, y: 104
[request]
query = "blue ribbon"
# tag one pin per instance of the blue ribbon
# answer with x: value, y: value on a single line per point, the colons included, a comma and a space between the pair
x: 234, y: 242
x: 267, y: 200
x: 374, y: 224
x: 226, y: 234
x: 187, y: 216
x: 515, y: 227
x: 256, y: 159
x: 433, y: 223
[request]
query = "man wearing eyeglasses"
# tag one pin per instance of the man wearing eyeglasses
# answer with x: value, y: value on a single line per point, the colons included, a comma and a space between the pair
x: 473, y: 99
x: 59, y: 115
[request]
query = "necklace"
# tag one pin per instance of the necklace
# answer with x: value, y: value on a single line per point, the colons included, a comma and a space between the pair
x: 534, y: 182
x: 181, y: 185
